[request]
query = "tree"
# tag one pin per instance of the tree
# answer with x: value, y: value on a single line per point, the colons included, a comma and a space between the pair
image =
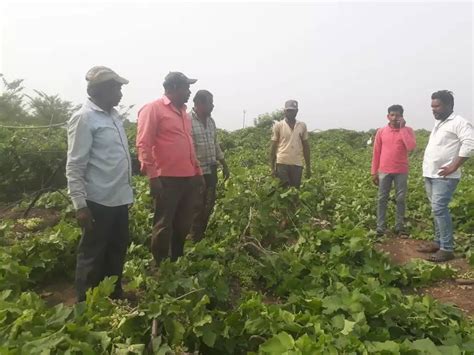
x: 266, y: 120
x: 12, y: 106
x: 50, y: 109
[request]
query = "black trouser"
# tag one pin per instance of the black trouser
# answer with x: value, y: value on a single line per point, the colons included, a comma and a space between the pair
x: 174, y: 211
x: 206, y: 205
x: 290, y: 175
x: 101, y: 251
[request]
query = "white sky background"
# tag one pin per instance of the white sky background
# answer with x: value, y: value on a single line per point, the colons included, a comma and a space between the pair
x: 344, y: 62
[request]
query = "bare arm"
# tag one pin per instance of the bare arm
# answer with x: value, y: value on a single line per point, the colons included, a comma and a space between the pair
x: 408, y: 137
x: 451, y: 168
x: 273, y: 153
x: 307, y: 157
x: 376, y: 157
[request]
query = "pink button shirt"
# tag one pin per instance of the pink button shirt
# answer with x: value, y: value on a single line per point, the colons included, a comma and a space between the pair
x: 391, y: 149
x: 164, y: 141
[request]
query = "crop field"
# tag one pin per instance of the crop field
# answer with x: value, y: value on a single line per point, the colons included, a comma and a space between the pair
x: 280, y: 271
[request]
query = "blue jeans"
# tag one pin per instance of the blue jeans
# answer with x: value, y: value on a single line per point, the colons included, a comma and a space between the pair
x: 385, y: 184
x: 440, y: 192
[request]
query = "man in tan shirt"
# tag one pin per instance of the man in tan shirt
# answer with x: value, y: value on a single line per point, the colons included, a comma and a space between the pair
x: 289, y: 147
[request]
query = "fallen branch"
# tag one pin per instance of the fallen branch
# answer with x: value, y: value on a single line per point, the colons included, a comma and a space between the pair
x: 244, y: 232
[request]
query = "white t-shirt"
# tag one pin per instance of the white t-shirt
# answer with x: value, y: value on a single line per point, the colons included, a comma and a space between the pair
x: 449, y: 139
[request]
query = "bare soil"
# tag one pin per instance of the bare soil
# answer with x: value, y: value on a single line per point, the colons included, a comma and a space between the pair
x: 60, y: 291
x: 401, y: 251
x: 49, y: 218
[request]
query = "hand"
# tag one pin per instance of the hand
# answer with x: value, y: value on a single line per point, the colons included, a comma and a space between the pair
x: 308, y: 173
x: 200, y: 183
x: 401, y: 122
x: 447, y: 170
x: 155, y: 187
x: 375, y: 179
x: 225, y: 172
x: 274, y: 171
x: 84, y: 218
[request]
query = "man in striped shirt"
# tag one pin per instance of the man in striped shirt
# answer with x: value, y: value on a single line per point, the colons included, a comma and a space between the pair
x: 208, y: 153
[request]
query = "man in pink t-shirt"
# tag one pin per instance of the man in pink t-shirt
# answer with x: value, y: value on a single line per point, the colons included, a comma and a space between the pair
x: 390, y: 164
x: 166, y: 152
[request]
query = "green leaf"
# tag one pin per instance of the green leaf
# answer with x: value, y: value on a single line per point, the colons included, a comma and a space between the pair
x: 386, y: 346
x: 175, y: 331
x: 278, y: 344
x: 426, y: 346
x: 348, y: 327
x: 209, y: 337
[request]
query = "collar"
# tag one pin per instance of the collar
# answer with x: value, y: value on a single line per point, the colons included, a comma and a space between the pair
x: 296, y: 122
x: 195, y: 116
x: 392, y: 128
x: 449, y: 118
x: 168, y: 102
x: 91, y: 105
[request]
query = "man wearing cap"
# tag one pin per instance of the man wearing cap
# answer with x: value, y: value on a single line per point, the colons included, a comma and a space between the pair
x: 208, y: 152
x: 289, y: 147
x: 167, y: 156
x: 98, y: 172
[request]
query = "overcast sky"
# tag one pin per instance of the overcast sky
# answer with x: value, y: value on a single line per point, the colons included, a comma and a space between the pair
x: 344, y: 62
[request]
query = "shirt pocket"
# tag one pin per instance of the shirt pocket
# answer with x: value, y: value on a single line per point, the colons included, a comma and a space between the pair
x: 107, y: 143
x: 446, y: 138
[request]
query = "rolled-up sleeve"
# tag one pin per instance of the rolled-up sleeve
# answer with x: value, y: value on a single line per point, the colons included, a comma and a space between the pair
x: 79, y: 146
x: 276, y: 132
x: 219, y: 152
x: 146, y: 133
x: 465, y: 133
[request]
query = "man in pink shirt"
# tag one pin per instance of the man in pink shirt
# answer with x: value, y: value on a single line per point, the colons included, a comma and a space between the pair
x: 167, y: 156
x: 390, y: 164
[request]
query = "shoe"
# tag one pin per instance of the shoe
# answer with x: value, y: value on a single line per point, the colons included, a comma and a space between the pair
x: 431, y: 247
x: 402, y: 234
x: 440, y: 256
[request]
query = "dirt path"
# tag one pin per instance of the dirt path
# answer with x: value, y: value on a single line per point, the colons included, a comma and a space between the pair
x: 60, y: 291
x: 401, y: 251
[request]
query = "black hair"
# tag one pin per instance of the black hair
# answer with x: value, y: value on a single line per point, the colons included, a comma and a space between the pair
x: 202, y: 96
x: 396, y: 108
x: 445, y: 96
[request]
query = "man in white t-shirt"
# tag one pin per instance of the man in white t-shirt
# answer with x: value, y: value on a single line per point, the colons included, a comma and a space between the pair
x: 451, y: 144
x: 290, y: 147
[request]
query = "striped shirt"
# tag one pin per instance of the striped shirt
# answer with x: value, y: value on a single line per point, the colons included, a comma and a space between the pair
x: 208, y: 151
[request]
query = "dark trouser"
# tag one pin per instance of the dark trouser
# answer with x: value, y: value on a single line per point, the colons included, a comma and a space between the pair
x: 101, y: 251
x: 290, y: 175
x: 205, y: 206
x: 174, y: 212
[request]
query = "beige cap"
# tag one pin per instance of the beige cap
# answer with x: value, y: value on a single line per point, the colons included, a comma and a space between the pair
x: 99, y: 74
